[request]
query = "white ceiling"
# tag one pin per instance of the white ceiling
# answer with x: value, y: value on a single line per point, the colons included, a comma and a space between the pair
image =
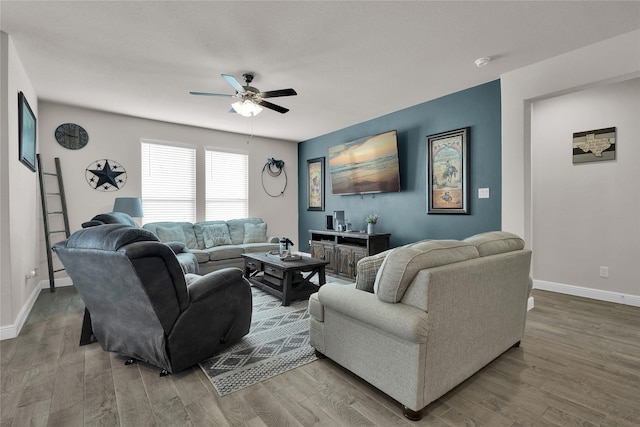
x: 349, y: 61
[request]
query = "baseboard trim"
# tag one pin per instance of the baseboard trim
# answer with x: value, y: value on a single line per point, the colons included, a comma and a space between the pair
x: 530, y: 303
x: 12, y: 331
x: 597, y: 294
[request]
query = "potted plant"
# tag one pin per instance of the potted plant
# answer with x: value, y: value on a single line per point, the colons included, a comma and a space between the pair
x: 371, y: 220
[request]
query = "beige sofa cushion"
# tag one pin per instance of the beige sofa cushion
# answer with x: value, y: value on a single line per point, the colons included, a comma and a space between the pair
x: 495, y: 242
x: 402, y: 264
x: 255, y: 233
x: 225, y: 252
x: 171, y: 234
x: 198, y: 229
x: 187, y: 228
x: 202, y: 255
x: 216, y: 235
x: 236, y: 228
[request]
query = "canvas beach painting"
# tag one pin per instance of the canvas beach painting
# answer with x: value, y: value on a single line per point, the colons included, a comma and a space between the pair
x: 366, y: 165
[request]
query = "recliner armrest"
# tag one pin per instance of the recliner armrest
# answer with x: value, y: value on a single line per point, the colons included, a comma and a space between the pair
x: 399, y: 319
x: 213, y: 282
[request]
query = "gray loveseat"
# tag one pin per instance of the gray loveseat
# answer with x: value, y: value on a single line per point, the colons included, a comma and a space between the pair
x: 427, y: 316
x: 217, y: 244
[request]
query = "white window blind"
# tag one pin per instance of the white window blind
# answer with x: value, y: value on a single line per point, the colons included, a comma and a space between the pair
x: 227, y: 185
x: 168, y: 183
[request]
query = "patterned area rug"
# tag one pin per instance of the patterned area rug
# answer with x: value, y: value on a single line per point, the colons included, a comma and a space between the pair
x: 277, y: 342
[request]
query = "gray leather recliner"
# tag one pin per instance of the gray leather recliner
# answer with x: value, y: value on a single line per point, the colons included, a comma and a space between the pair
x: 141, y: 304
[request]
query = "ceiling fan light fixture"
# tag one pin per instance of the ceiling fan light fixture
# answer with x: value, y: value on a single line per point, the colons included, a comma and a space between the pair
x: 246, y: 108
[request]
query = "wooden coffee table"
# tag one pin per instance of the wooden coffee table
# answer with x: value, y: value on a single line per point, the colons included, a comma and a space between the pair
x: 284, y: 279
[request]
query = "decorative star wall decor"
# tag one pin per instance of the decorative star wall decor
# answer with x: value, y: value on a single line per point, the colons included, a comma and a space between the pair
x: 106, y: 175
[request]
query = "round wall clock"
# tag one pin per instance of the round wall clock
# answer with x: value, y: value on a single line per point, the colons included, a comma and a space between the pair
x: 106, y: 175
x: 71, y: 136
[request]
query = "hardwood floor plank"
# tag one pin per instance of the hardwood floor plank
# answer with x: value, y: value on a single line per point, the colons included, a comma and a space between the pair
x: 338, y: 406
x: 68, y: 388
x: 32, y: 414
x: 206, y: 413
x: 100, y: 404
x: 562, y: 418
x: 302, y: 407
x: 235, y: 409
x: 134, y: 408
x: 268, y: 408
x: 67, y: 417
x: 38, y: 388
x: 166, y: 405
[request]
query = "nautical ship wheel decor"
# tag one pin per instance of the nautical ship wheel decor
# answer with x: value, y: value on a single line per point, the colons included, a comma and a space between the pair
x: 106, y: 175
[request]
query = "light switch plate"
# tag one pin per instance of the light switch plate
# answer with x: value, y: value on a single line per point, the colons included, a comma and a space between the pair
x: 483, y: 193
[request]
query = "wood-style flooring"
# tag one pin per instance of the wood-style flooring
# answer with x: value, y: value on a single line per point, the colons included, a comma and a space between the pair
x: 579, y: 364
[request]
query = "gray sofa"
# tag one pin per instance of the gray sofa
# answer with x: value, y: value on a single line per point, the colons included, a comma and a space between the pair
x: 217, y: 244
x: 425, y: 317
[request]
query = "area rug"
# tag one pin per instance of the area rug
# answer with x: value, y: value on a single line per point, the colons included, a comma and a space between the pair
x: 278, y: 341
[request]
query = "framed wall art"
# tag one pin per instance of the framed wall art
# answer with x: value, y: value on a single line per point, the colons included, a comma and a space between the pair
x: 448, y: 172
x: 26, y: 133
x: 594, y: 145
x: 315, y: 184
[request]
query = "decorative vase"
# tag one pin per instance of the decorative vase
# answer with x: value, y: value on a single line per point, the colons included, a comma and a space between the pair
x: 370, y: 228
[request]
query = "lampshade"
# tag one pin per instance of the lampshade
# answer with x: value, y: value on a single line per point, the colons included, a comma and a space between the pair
x: 246, y: 108
x: 129, y: 205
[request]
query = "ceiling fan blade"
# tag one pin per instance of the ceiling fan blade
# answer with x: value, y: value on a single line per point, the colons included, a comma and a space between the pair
x: 211, y: 94
x: 234, y: 83
x: 276, y: 93
x: 273, y: 107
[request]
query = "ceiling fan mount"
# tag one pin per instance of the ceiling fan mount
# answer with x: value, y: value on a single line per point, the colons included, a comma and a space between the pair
x: 251, y: 95
x: 248, y: 78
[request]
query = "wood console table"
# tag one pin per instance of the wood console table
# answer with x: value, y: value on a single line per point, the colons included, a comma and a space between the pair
x: 343, y: 249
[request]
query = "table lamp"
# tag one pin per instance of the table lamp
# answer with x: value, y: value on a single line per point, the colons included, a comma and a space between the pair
x: 129, y: 205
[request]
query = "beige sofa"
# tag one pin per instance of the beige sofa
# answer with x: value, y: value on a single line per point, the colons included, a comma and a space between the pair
x: 425, y: 317
x: 217, y: 244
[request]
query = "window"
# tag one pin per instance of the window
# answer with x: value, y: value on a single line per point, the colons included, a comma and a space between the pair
x: 227, y: 185
x: 168, y: 183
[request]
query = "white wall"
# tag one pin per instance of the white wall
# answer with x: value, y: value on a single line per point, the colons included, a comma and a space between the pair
x: 117, y: 137
x: 18, y: 187
x: 586, y: 215
x: 606, y: 62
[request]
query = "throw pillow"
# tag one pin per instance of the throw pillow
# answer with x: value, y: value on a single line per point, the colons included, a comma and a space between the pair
x: 171, y: 234
x: 255, y: 233
x: 216, y: 235
x: 367, y: 269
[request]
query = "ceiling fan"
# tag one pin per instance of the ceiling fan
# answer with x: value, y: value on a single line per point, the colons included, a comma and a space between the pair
x: 250, y: 99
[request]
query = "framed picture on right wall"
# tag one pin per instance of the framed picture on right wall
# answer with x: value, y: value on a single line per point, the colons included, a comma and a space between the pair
x: 594, y: 145
x: 448, y: 172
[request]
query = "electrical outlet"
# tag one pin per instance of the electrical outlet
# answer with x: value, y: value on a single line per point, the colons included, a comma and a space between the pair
x: 483, y: 193
x: 604, y: 271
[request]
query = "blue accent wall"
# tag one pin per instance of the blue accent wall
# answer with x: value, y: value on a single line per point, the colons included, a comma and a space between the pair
x: 404, y: 214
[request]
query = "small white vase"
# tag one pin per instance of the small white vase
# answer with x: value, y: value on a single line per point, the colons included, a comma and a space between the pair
x: 370, y: 228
